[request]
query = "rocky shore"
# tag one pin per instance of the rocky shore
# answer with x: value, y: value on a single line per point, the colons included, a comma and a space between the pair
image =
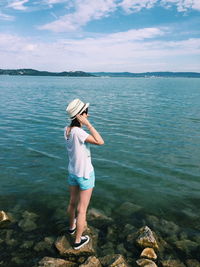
x: 126, y: 237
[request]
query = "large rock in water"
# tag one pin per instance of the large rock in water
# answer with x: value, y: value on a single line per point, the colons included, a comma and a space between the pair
x: 146, y: 263
x: 149, y: 253
x: 53, y: 262
x: 91, y: 262
x: 127, y: 209
x: 28, y: 222
x: 65, y: 249
x: 146, y: 238
x: 115, y: 260
x: 192, y: 263
x: 4, y: 219
x: 186, y: 246
x: 98, y: 218
x: 172, y: 263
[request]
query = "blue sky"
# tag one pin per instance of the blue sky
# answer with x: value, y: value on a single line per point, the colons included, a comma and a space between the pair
x: 100, y: 35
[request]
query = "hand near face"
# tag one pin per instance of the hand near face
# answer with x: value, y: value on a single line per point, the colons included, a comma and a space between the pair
x: 83, y: 120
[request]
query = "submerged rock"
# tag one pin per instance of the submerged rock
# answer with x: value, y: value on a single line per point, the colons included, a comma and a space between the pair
x: 65, y: 249
x: 149, y: 253
x: 192, y: 263
x: 98, y: 218
x: 186, y: 246
x: 91, y: 262
x: 127, y: 209
x: 115, y: 260
x: 53, y: 262
x: 28, y: 222
x: 27, y: 244
x: 146, y: 263
x: 4, y: 219
x: 146, y: 238
x: 46, y: 244
x: 172, y: 263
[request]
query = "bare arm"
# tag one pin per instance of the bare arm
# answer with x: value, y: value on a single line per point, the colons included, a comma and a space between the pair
x: 94, y: 137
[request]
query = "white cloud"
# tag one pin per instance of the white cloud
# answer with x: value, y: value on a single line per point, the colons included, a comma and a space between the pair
x: 18, y: 4
x: 6, y: 17
x: 136, y: 5
x: 86, y: 10
x: 182, y: 5
x: 133, y: 51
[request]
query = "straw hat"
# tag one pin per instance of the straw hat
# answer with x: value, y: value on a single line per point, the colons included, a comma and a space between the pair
x: 76, y: 107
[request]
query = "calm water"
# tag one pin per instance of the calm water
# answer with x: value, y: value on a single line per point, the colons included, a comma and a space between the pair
x: 151, y: 154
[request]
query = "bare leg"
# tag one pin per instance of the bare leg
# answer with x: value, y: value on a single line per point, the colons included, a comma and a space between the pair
x: 84, y: 200
x: 74, y: 196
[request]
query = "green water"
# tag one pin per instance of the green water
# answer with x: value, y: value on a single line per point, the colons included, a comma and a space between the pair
x: 151, y: 155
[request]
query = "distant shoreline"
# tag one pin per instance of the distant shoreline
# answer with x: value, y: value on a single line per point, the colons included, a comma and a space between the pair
x: 164, y: 74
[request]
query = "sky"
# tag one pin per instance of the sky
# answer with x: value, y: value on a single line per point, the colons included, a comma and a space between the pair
x: 100, y: 35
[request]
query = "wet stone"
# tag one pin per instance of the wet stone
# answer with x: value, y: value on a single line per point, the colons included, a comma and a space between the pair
x: 115, y: 260
x: 128, y: 209
x: 91, y: 262
x: 46, y: 244
x: 65, y: 249
x: 172, y: 263
x: 186, y: 246
x: 121, y: 249
x: 17, y: 261
x: 149, y: 253
x: 146, y: 238
x: 146, y: 263
x: 98, y: 218
x: 192, y: 263
x: 4, y: 219
x: 27, y: 244
x: 54, y: 262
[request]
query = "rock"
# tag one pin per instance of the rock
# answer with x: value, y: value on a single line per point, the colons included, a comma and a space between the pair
x: 186, y: 246
x: 8, y: 240
x: 146, y: 263
x: 98, y: 219
x: 65, y: 249
x: 168, y: 227
x: 146, y: 238
x: 53, y: 262
x: 115, y: 260
x: 192, y: 263
x: 91, y: 262
x: 17, y: 260
x: 127, y: 230
x: 127, y: 209
x: 149, y: 253
x: 4, y: 219
x: 44, y: 245
x: 28, y: 223
x: 107, y: 249
x: 172, y: 263
x: 121, y: 249
x: 27, y: 244
x: 29, y: 215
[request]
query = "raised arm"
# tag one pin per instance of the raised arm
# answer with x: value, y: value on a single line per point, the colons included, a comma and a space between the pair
x: 94, y: 137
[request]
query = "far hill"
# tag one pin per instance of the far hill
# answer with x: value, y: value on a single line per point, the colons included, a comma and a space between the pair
x: 32, y: 72
x: 148, y: 74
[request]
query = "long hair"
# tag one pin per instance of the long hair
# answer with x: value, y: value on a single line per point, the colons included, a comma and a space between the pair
x: 75, y: 122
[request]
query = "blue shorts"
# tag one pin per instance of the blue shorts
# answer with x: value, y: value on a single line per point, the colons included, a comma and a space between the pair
x: 82, y: 182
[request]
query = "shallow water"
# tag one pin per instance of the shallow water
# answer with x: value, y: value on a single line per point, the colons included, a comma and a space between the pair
x: 151, y: 155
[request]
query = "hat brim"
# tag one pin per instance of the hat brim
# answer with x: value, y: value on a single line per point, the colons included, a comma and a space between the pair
x: 86, y: 106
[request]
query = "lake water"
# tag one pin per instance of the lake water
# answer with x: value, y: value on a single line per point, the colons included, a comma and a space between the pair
x: 151, y: 156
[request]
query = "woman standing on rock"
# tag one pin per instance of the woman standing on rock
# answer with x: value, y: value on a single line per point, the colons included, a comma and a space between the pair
x: 81, y: 172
